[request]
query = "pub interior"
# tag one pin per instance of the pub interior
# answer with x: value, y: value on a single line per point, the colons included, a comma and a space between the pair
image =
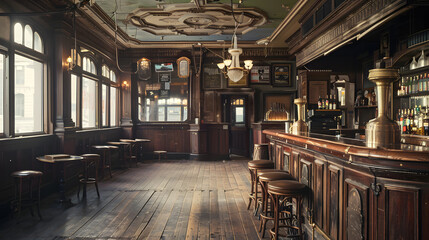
x: 223, y: 119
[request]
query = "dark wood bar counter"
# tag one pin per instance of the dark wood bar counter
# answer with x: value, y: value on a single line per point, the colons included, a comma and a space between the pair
x: 357, y: 192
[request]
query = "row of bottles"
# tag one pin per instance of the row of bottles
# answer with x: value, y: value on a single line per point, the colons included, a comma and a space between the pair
x: 330, y: 102
x: 414, y: 121
x: 421, y: 62
x: 414, y: 84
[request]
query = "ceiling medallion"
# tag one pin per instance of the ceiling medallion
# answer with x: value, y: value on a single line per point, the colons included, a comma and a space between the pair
x: 192, y: 20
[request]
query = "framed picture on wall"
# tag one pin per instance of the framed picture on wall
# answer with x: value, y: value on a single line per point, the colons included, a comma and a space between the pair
x: 212, y: 77
x: 244, y: 82
x: 260, y: 75
x: 281, y: 75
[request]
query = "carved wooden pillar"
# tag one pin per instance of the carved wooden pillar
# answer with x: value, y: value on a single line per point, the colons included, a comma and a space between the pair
x: 62, y: 42
x: 126, y: 104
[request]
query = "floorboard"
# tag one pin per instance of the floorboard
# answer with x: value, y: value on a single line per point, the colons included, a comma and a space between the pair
x: 167, y: 199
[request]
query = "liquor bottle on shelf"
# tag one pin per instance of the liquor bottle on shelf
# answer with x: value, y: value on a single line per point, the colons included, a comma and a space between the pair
x: 425, y: 82
x: 413, y: 127
x: 319, y: 103
x: 426, y: 122
x: 327, y: 102
x: 405, y: 122
x: 334, y: 103
x: 421, y: 129
x: 401, y: 119
x: 330, y: 102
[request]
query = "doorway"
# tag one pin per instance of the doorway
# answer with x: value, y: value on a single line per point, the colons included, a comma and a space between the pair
x: 236, y: 113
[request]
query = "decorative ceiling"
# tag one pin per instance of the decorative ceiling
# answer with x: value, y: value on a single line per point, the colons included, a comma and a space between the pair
x: 203, y: 20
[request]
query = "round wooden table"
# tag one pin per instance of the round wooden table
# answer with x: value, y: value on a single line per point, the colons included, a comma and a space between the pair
x: 59, y: 167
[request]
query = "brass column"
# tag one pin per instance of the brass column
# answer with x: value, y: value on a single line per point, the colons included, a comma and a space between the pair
x: 300, y: 127
x: 381, y: 131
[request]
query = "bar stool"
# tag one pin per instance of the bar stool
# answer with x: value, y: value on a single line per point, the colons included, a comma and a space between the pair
x: 130, y: 149
x: 254, y: 166
x: 264, y: 178
x: 160, y: 153
x: 260, y: 151
x: 90, y: 172
x: 104, y: 150
x: 281, y: 189
x: 31, y: 177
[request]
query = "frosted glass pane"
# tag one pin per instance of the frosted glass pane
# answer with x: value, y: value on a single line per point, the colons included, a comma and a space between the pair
x: 74, y: 98
x: 17, y: 31
x: 37, y: 42
x: 29, y: 93
x: 28, y: 36
x: 89, y: 103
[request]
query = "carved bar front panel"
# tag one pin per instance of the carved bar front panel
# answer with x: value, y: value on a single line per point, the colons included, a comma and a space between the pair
x: 356, y: 192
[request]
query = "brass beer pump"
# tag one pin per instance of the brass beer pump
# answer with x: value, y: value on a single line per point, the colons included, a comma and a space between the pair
x: 382, y: 131
x: 300, y: 127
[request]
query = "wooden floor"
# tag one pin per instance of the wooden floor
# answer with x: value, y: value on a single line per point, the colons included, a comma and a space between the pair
x: 171, y: 199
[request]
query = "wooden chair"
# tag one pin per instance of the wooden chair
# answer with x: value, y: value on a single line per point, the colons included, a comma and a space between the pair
x: 90, y: 172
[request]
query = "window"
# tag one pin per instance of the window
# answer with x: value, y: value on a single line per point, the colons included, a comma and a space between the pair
x: 170, y: 110
x: 89, y: 66
x: 74, y: 98
x: 163, y: 100
x: 28, y: 115
x: 2, y: 78
x: 104, y: 105
x: 113, y: 99
x: 89, y: 103
x: 238, y: 110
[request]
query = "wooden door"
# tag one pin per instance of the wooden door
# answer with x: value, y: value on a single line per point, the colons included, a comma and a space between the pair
x: 235, y: 113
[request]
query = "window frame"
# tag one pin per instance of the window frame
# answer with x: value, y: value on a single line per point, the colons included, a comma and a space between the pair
x: 41, y: 57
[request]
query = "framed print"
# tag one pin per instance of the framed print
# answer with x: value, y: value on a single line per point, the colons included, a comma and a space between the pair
x: 183, y: 67
x: 144, y: 70
x: 164, y: 77
x: 164, y: 67
x: 212, y: 77
x: 260, y: 75
x: 281, y: 75
x: 278, y: 106
x: 164, y: 94
x: 244, y: 82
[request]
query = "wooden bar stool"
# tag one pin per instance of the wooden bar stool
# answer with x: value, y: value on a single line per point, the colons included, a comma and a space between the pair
x: 278, y: 192
x: 260, y: 151
x: 31, y: 177
x: 264, y: 178
x: 105, y: 151
x: 160, y: 153
x: 254, y: 166
x: 90, y: 172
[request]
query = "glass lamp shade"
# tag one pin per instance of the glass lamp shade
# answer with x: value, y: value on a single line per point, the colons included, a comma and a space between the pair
x: 235, y: 74
x: 221, y: 65
x: 227, y: 62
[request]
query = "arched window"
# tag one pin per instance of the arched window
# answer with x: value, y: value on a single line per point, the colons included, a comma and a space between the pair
x: 17, y: 33
x: 89, y: 66
x: 27, y: 37
x: 29, y: 80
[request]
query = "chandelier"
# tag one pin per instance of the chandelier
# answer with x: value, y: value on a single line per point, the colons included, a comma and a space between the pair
x: 233, y: 69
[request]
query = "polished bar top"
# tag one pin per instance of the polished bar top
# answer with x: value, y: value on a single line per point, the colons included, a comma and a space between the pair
x: 353, y: 147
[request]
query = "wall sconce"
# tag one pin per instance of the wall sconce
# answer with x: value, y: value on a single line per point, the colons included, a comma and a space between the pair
x: 125, y: 84
x: 69, y: 61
